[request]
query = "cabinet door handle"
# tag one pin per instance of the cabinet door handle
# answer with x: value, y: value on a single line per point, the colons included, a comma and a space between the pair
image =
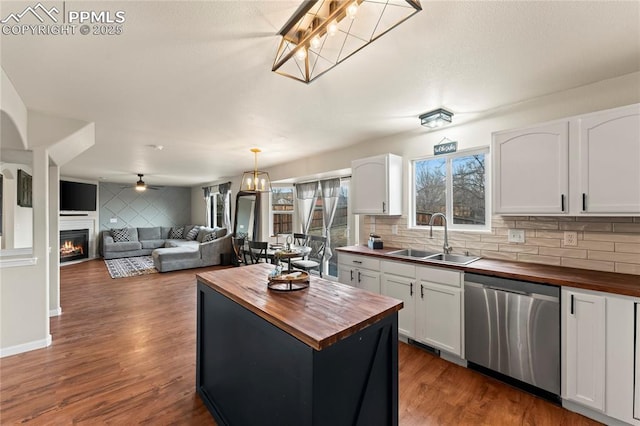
x: 351, y: 274
x: 359, y: 262
x: 584, y: 202
x: 421, y: 292
x: 562, y: 202
x: 358, y: 276
x: 384, y: 207
x: 572, y: 305
x: 410, y: 289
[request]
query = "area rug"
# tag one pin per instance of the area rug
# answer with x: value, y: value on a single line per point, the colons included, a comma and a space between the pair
x: 130, y: 266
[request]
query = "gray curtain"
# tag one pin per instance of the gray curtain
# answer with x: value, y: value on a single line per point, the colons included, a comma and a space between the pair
x: 225, y: 192
x: 330, y: 190
x: 306, y: 195
x: 207, y: 205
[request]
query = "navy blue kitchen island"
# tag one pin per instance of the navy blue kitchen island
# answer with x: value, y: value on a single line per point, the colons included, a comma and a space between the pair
x: 325, y: 355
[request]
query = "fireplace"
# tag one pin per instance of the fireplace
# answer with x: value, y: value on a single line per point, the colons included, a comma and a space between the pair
x: 74, y: 245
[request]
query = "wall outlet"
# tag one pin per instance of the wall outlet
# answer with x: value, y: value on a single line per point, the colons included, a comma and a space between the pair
x: 113, y: 220
x: 570, y: 238
x: 515, y: 236
x: 394, y: 229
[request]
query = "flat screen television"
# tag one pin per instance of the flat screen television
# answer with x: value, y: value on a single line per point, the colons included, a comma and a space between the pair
x: 77, y: 196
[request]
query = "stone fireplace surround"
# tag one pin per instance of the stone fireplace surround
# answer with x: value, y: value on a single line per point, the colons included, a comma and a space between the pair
x: 89, y: 220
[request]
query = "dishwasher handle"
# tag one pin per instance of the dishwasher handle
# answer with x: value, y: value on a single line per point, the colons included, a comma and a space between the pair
x: 512, y: 291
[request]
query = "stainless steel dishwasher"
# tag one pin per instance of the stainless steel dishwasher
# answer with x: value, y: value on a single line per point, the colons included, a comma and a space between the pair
x: 513, y: 328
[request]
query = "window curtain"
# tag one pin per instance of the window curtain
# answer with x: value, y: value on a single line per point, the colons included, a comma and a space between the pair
x: 207, y: 205
x: 225, y: 192
x: 330, y: 190
x: 306, y: 195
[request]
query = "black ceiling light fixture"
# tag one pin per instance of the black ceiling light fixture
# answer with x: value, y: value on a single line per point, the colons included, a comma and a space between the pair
x: 140, y: 185
x: 436, y: 118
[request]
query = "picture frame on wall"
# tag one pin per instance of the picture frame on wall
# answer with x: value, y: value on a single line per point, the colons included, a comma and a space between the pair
x: 25, y: 193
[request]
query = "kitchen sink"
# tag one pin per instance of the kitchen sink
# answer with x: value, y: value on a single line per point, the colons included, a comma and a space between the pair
x: 456, y: 259
x: 414, y: 253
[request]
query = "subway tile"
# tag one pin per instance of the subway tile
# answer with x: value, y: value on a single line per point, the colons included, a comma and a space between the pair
x: 553, y: 218
x: 534, y: 258
x: 627, y: 227
x: 493, y: 239
x: 587, y: 226
x: 543, y: 242
x: 615, y: 256
x: 549, y: 234
x: 628, y: 268
x: 627, y: 248
x: 588, y: 264
x: 498, y: 255
x: 563, y: 252
x: 537, y: 225
x: 482, y: 246
x: 518, y: 248
x: 596, y: 245
x: 605, y: 219
x: 616, y: 238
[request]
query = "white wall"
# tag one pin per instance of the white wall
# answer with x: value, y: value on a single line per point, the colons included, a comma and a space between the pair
x: 17, y: 226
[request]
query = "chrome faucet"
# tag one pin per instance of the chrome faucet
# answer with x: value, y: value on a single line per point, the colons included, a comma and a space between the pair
x: 446, y: 248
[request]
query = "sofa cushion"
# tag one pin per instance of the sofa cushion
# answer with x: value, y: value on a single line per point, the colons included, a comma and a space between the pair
x: 176, y: 253
x: 221, y: 232
x: 176, y: 233
x: 120, y: 235
x: 152, y: 244
x: 192, y: 234
x: 152, y: 233
x: 203, y: 232
x: 181, y: 243
x: 164, y: 232
x: 123, y: 246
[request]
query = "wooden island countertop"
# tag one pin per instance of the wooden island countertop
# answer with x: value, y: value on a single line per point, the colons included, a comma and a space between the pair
x: 319, y: 316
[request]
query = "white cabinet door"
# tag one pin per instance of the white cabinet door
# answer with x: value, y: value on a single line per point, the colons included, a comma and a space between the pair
x: 345, y: 275
x: 531, y: 170
x: 438, y: 316
x: 368, y: 280
x: 377, y: 185
x: 584, y: 364
x: 402, y: 288
x: 610, y: 161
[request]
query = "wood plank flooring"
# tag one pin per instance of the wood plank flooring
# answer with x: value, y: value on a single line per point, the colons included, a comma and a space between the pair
x: 123, y: 353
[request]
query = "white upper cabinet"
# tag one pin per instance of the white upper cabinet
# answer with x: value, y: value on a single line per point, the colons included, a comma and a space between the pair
x: 610, y: 161
x: 584, y: 165
x: 531, y: 170
x: 377, y: 185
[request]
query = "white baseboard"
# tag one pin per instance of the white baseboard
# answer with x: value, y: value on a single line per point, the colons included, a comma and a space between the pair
x: 25, y: 347
x: 55, y: 312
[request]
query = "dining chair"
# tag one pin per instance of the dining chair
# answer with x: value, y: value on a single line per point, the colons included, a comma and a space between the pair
x: 315, y: 258
x: 238, y: 250
x: 300, y: 239
x: 258, y: 251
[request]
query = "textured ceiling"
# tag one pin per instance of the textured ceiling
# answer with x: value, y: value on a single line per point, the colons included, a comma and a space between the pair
x: 196, y: 78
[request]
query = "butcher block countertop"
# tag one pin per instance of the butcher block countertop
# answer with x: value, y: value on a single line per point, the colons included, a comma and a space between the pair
x: 610, y: 282
x: 319, y: 315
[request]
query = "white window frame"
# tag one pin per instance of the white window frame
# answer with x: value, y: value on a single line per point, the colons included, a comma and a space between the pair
x: 449, y: 191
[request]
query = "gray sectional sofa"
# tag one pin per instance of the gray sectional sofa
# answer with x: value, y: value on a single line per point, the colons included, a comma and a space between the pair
x: 171, y: 250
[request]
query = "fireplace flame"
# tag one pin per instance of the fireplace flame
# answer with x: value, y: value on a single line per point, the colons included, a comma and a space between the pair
x: 68, y: 249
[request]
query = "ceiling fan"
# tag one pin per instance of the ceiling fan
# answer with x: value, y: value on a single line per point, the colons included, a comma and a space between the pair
x: 142, y: 186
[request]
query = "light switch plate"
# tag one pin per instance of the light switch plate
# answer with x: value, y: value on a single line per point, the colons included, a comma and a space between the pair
x: 515, y: 236
x: 113, y: 220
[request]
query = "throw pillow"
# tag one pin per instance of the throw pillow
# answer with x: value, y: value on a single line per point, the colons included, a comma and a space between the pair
x: 209, y: 237
x: 176, y: 233
x: 120, y: 235
x: 192, y: 234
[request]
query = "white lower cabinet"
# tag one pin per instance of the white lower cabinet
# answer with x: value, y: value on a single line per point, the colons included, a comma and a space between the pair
x: 432, y: 297
x: 439, y: 309
x: 398, y: 281
x: 359, y: 271
x: 598, y: 350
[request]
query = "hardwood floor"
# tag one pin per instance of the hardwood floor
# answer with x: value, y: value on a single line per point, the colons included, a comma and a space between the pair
x: 123, y: 353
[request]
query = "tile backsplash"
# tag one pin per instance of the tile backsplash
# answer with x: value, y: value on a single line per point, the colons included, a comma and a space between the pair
x: 603, y: 243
